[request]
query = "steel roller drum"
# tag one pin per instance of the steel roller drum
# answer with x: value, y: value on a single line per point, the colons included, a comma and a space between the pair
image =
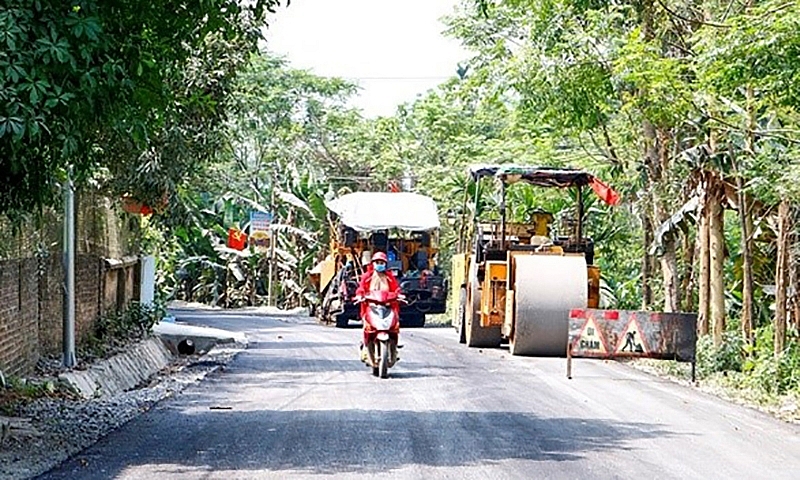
x: 547, y: 287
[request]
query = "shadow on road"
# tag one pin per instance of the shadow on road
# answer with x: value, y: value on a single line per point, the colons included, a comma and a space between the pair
x: 331, y: 441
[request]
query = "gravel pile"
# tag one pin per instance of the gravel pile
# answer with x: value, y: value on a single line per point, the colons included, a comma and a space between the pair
x: 62, y: 427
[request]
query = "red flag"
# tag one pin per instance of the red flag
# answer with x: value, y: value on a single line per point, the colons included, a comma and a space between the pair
x: 236, y: 239
x: 606, y: 193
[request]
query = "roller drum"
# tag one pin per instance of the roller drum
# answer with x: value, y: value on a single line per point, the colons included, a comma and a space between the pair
x: 546, y: 288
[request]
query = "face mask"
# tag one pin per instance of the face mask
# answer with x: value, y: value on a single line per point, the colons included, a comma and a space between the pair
x: 380, y: 267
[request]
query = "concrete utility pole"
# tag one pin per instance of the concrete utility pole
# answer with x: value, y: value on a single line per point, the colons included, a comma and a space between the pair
x: 68, y: 359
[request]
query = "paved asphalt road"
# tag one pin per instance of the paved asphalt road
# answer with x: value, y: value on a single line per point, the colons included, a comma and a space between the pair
x: 299, y: 404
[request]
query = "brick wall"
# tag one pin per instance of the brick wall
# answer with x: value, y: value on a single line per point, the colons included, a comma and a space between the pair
x: 31, y: 311
x: 87, y: 294
x: 19, y: 312
x: 31, y: 306
x: 51, y: 310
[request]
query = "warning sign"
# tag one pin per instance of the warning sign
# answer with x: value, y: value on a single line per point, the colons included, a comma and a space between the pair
x: 591, y: 340
x: 599, y: 333
x: 632, y: 340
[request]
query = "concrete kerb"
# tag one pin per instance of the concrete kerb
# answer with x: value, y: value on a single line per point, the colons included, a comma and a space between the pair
x: 129, y: 369
x: 121, y: 372
x: 203, y: 338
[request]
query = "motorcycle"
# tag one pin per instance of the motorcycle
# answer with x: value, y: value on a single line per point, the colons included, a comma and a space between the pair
x: 382, y: 324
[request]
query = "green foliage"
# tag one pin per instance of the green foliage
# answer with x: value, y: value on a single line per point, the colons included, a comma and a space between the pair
x: 288, y: 146
x: 644, y: 95
x: 129, y: 89
x: 766, y: 371
x: 116, y: 328
x: 754, y: 368
x: 648, y: 95
x: 17, y: 391
x: 759, y: 47
x: 725, y: 358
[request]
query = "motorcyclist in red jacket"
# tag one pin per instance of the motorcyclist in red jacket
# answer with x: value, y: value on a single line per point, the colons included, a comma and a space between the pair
x: 377, y: 277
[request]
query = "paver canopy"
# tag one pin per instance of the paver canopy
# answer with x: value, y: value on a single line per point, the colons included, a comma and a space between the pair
x: 546, y: 177
x: 370, y: 211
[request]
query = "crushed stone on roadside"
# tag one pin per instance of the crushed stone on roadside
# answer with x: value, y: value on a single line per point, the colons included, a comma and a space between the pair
x: 60, y: 427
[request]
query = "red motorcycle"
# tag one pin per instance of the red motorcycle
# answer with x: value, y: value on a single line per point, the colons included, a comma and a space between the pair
x: 381, y: 330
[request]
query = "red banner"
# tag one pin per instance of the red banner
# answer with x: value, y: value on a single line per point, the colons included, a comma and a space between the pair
x: 236, y: 239
x: 606, y: 193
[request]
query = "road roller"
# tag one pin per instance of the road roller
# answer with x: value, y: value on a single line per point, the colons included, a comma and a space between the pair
x: 518, y: 281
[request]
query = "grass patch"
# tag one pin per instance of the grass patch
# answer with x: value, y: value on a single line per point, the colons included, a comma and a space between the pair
x: 19, y: 391
x: 752, y: 376
x: 437, y: 320
x: 116, y: 330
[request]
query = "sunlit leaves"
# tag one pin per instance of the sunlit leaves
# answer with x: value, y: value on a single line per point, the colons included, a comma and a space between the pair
x: 98, y: 83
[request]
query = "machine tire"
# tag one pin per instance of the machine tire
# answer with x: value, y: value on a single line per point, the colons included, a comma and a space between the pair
x: 542, y: 303
x: 477, y: 336
x: 342, y: 321
x: 461, y: 327
x: 413, y: 320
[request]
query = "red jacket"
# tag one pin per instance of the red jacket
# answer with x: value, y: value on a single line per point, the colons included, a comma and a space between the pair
x: 363, y: 288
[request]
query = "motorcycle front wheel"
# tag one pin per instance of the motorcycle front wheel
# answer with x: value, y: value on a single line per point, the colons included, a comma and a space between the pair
x: 376, y: 355
x: 383, y: 362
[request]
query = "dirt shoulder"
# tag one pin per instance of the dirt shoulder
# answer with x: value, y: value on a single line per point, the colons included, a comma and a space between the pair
x: 48, y: 425
x: 726, y: 385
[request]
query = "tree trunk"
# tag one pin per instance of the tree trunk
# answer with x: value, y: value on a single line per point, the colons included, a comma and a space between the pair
x: 717, y: 247
x: 782, y: 276
x: 704, y: 282
x: 687, y: 283
x: 794, y: 286
x: 746, y: 223
x: 647, y: 271
x: 669, y: 274
x: 659, y: 164
x: 653, y: 174
x: 794, y: 299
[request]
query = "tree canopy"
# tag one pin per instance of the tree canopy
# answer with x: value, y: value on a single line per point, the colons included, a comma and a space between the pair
x: 119, y: 91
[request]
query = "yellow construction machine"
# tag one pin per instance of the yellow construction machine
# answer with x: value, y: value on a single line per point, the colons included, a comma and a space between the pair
x: 517, y: 282
x: 402, y: 225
